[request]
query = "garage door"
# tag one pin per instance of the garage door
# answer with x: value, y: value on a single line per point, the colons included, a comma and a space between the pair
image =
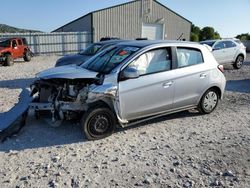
x: 152, y: 31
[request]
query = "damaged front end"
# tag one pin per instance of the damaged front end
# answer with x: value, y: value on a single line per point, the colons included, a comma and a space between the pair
x: 62, y: 93
x: 65, y: 99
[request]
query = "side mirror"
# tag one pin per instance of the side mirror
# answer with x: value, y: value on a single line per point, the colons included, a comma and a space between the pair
x: 130, y: 73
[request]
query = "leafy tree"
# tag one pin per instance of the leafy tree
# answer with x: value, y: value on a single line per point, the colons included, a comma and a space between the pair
x: 207, y: 33
x: 194, y: 37
x: 216, y: 35
x: 243, y: 36
x: 195, y: 29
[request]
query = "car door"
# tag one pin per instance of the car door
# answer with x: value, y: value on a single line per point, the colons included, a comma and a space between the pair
x: 15, y: 50
x: 220, y: 52
x: 191, y: 77
x: 231, y: 50
x: 20, y: 47
x: 152, y: 92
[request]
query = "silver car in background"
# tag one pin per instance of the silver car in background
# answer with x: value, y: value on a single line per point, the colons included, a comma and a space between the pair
x: 129, y: 83
x: 228, y: 51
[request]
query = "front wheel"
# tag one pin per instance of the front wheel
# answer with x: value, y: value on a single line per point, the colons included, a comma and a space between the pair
x: 238, y: 62
x: 98, y: 123
x: 8, y: 60
x: 208, y: 101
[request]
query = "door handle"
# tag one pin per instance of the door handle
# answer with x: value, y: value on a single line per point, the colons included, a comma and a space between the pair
x: 167, y: 84
x: 203, y: 75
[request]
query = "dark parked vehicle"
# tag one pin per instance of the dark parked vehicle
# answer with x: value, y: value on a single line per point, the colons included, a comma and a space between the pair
x: 13, y: 48
x: 86, y: 54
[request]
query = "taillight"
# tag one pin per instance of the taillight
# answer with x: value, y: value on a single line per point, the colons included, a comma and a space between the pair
x: 221, y: 68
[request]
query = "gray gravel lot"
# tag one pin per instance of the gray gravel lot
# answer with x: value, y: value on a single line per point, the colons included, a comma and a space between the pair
x: 180, y: 150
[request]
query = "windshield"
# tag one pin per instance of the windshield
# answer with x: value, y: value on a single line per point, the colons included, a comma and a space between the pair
x: 209, y: 43
x: 109, y: 59
x: 5, y: 43
x: 91, y: 50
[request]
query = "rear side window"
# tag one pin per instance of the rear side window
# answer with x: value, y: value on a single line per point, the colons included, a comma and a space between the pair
x: 229, y: 44
x: 19, y: 42
x: 238, y: 41
x: 188, y: 57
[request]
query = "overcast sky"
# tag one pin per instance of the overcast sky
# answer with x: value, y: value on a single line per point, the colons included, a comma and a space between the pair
x: 228, y: 17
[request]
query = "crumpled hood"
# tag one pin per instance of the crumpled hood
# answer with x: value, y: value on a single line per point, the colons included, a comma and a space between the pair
x: 72, y: 59
x: 67, y: 72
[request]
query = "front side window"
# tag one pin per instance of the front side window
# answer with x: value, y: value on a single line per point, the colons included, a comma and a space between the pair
x: 153, y: 61
x: 14, y: 44
x: 188, y: 56
x: 107, y: 60
x: 219, y: 45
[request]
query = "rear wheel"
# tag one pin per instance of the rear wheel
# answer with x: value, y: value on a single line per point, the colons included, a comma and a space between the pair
x: 98, y: 123
x: 238, y: 62
x: 209, y: 101
x: 8, y: 60
x: 27, y: 56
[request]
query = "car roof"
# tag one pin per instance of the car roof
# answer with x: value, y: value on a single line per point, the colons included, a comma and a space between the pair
x: 109, y: 42
x: 144, y: 43
x: 4, y: 39
x: 223, y: 39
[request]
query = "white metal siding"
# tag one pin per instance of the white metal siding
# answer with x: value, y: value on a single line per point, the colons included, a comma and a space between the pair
x: 125, y: 21
x: 54, y: 43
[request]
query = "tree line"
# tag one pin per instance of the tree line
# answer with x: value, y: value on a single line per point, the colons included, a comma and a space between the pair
x: 209, y: 33
x: 206, y: 33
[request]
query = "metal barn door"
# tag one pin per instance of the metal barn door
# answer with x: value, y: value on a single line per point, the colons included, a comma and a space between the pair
x: 152, y: 31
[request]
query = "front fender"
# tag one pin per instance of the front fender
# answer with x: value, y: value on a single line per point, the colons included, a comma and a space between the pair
x: 107, y: 93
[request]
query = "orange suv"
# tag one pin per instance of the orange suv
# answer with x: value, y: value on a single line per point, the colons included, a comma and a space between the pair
x: 13, y: 48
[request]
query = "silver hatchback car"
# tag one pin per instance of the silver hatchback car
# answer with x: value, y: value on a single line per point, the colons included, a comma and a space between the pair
x: 129, y: 83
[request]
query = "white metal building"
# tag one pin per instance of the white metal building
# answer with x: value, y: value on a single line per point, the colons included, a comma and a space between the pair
x: 136, y: 19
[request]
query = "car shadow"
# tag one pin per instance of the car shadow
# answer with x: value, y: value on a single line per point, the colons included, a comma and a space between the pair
x: 242, y: 86
x: 178, y: 115
x: 39, y: 134
x: 16, y: 83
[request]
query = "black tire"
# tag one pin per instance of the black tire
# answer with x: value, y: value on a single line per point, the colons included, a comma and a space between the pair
x: 98, y: 123
x: 238, y: 62
x: 8, y: 60
x: 209, y: 101
x: 27, y: 56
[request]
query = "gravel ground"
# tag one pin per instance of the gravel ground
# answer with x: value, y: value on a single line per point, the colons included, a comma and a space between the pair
x: 180, y: 150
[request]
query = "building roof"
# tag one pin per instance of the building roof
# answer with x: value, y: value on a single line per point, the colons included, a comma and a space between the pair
x: 90, y: 13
